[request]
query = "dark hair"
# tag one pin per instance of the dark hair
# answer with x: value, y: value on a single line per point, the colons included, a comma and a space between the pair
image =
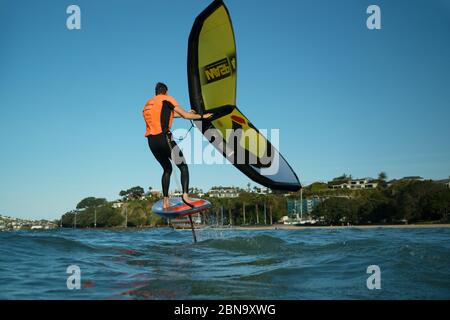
x: 161, y: 88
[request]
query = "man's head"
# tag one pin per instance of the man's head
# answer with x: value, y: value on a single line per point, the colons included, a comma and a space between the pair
x: 161, y: 88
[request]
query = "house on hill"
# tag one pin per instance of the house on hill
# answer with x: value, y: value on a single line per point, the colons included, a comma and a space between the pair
x: 445, y: 182
x: 224, y: 192
x: 354, y: 184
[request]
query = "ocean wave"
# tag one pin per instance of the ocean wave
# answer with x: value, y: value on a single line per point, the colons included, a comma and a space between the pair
x: 162, y: 264
x: 249, y: 245
x: 30, y: 241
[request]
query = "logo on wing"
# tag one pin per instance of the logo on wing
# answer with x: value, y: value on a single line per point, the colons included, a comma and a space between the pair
x: 218, y: 70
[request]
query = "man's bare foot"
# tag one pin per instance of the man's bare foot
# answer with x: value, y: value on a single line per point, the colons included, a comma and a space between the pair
x: 187, y: 201
x: 166, y: 203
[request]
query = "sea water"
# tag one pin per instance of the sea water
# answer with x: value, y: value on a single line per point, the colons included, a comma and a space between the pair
x: 225, y: 264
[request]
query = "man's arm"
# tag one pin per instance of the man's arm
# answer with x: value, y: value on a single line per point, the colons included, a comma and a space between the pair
x: 181, y: 113
x: 176, y: 115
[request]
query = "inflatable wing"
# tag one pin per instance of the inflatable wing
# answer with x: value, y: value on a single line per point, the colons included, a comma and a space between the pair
x: 212, y: 74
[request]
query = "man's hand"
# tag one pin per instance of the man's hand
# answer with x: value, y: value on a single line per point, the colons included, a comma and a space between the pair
x: 205, y: 116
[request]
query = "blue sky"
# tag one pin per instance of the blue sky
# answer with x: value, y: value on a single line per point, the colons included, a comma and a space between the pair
x: 346, y: 99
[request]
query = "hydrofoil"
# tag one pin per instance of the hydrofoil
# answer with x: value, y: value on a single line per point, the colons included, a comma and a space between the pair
x: 178, y: 209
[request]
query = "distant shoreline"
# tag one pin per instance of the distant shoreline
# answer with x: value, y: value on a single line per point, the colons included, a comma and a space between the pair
x: 291, y: 227
x: 276, y: 227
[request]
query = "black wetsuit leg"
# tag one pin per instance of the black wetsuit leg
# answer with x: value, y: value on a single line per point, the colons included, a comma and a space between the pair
x: 159, y: 145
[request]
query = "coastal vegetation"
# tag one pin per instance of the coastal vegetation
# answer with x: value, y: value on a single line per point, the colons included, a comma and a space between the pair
x: 402, y: 202
x: 398, y: 202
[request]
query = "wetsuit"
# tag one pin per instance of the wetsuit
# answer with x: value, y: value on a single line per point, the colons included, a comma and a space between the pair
x: 158, y: 114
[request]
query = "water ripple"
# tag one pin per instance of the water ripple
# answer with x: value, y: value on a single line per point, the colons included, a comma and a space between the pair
x: 227, y: 264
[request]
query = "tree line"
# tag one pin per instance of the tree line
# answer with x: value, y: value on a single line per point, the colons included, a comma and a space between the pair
x: 400, y: 202
x: 135, y: 211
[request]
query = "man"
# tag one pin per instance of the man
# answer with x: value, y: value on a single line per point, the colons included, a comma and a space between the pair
x: 158, y: 115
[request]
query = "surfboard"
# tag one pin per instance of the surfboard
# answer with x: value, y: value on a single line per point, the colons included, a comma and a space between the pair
x: 178, y: 209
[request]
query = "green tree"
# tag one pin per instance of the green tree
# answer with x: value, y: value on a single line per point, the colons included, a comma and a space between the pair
x: 382, y: 177
x: 336, y: 211
x: 67, y: 219
x: 91, y: 202
x: 376, y: 207
x: 108, y: 217
x: 134, y: 193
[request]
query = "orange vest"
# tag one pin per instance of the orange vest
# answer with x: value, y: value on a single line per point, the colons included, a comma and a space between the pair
x: 156, y: 116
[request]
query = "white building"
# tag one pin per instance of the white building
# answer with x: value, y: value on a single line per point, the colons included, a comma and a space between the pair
x: 445, y: 182
x: 117, y: 205
x: 366, y: 183
x: 224, y: 192
x: 261, y: 191
x: 176, y: 194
